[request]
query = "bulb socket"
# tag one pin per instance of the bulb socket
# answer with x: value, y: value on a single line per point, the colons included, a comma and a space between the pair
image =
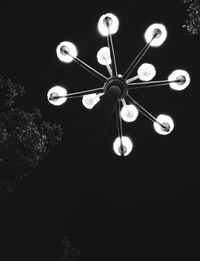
x: 118, y: 82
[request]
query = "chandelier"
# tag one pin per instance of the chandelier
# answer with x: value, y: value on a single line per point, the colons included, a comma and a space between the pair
x: 126, y: 107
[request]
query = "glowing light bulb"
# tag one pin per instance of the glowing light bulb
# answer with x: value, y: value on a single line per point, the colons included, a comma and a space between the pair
x: 66, y: 51
x: 146, y: 72
x: 156, y: 31
x: 103, y: 56
x: 54, y: 93
x: 108, y: 21
x: 90, y: 100
x: 182, y: 77
x: 126, y: 148
x: 129, y: 113
x: 167, y: 122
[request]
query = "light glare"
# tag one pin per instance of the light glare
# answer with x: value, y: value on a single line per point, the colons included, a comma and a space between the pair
x: 90, y: 100
x: 181, y: 75
x: 126, y: 143
x: 129, y: 113
x: 54, y: 92
x: 113, y: 24
x: 66, y: 51
x: 103, y: 56
x: 153, y: 29
x: 165, y: 120
x: 146, y: 72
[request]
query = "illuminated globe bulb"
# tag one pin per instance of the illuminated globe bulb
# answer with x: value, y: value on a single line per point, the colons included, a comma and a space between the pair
x: 129, y: 113
x: 103, y: 56
x: 182, y: 77
x: 90, y: 100
x: 146, y: 72
x: 108, y: 21
x: 156, y: 31
x: 54, y: 93
x: 66, y: 51
x: 126, y: 144
x: 167, y: 122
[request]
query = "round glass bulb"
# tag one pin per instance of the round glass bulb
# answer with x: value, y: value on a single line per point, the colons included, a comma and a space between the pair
x: 66, y: 51
x: 90, y: 100
x: 54, y: 93
x: 166, y: 121
x: 103, y: 56
x: 146, y: 72
x: 156, y: 31
x: 108, y: 21
x: 129, y: 113
x: 182, y: 77
x: 126, y: 144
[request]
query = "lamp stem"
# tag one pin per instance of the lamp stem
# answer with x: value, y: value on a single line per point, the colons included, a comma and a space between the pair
x: 112, y: 53
x: 119, y: 126
x: 95, y: 122
x: 118, y: 118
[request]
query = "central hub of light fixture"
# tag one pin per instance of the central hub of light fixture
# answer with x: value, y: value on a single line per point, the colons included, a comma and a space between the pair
x: 127, y: 108
x: 119, y: 82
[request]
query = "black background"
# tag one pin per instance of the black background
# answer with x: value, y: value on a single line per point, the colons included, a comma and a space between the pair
x: 143, y: 205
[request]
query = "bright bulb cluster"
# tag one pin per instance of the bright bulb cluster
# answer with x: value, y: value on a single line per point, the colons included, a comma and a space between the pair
x: 146, y: 72
x: 122, y: 146
x: 127, y: 109
x: 66, y: 51
x: 90, y: 100
x: 57, y: 95
x: 155, y: 34
x: 108, y: 23
x: 129, y: 113
x: 168, y: 124
x: 103, y: 56
x: 182, y: 78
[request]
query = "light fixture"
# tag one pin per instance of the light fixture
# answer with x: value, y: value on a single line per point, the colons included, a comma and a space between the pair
x: 57, y: 95
x: 126, y: 107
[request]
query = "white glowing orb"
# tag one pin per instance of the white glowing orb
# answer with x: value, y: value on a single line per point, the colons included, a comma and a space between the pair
x: 54, y: 93
x: 106, y: 23
x: 146, y: 72
x: 156, y: 31
x: 103, y: 56
x: 126, y: 143
x: 166, y: 121
x: 66, y: 51
x: 129, y: 113
x: 90, y: 100
x: 182, y: 77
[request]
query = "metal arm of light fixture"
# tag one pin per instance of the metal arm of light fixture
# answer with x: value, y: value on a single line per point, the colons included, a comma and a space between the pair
x: 88, y: 68
x: 116, y: 86
x: 111, y: 48
x: 76, y: 94
x: 146, y: 113
x: 138, y: 58
x: 140, y: 85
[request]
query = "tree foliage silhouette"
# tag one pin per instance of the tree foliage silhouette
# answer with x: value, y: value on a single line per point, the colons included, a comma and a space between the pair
x: 25, y: 139
x: 192, y: 23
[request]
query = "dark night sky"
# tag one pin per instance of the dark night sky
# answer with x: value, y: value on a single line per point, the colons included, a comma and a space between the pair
x: 111, y: 208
